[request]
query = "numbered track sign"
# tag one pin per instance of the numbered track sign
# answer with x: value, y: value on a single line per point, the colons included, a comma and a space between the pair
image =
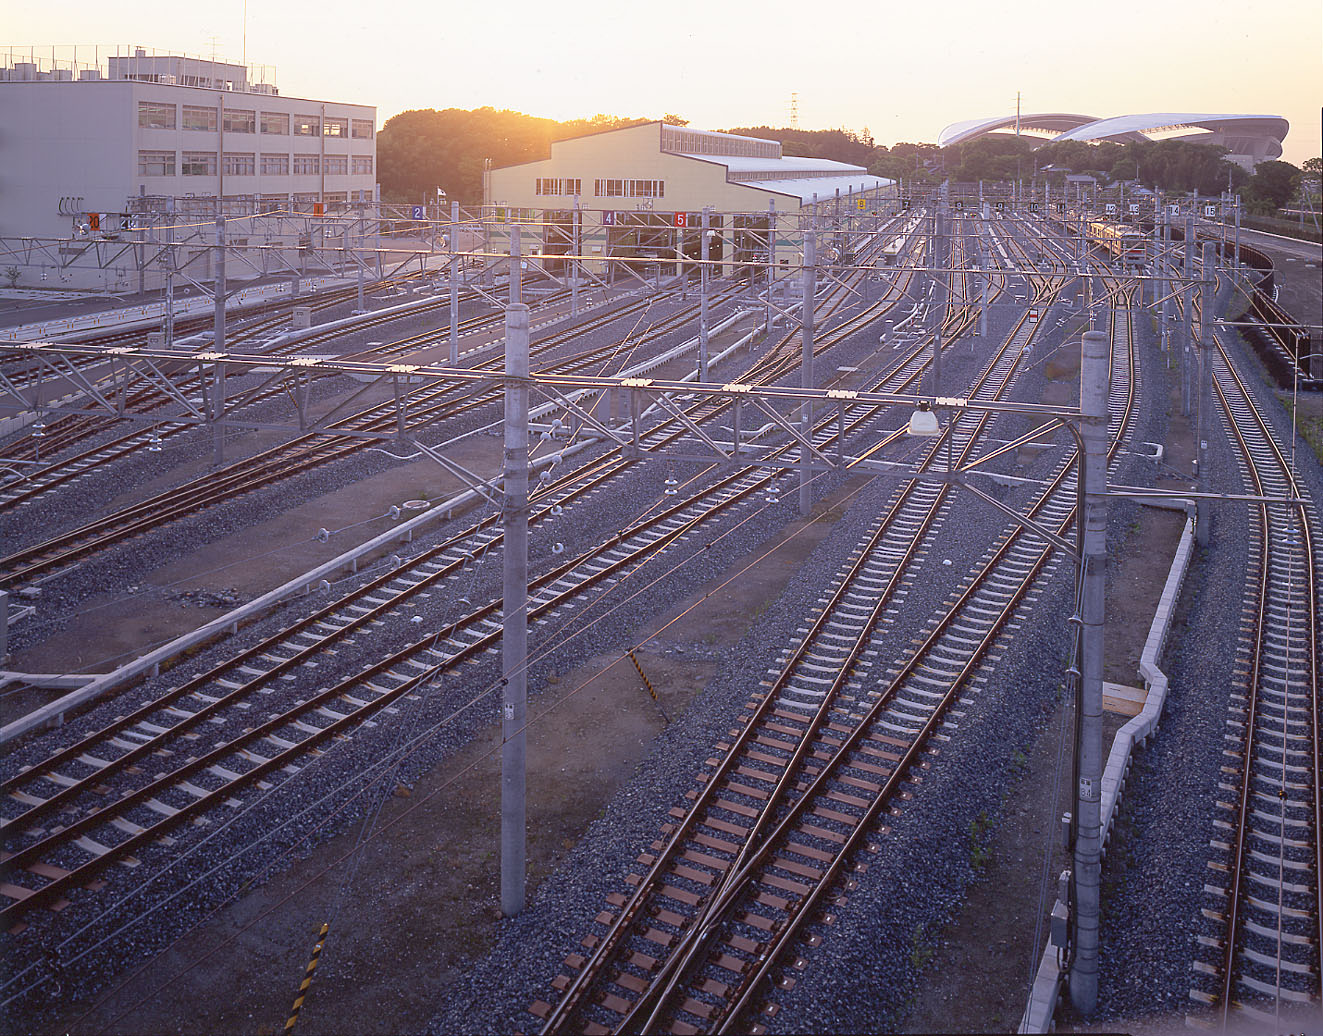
x: 682, y: 219
x: 416, y: 212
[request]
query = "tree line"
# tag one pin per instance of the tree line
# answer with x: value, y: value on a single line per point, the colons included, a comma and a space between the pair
x: 423, y: 149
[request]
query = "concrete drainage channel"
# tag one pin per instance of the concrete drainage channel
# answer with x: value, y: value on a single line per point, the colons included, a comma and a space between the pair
x: 1048, y: 980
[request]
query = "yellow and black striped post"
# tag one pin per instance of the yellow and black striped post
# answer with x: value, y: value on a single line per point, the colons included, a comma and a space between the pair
x: 307, y: 978
x: 648, y: 684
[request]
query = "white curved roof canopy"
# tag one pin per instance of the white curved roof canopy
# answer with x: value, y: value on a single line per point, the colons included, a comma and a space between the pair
x: 1123, y: 127
x: 1057, y: 122
x: 1254, y: 137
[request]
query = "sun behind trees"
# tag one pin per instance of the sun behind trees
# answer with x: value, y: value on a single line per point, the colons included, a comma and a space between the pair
x: 423, y: 149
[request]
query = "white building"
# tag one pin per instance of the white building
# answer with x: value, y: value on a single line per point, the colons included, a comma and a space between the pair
x: 81, y: 145
x: 641, y: 191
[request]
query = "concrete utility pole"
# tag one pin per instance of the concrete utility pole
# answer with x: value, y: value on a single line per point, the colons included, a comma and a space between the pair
x: 1237, y: 235
x: 1093, y: 561
x: 938, y: 261
x: 218, y: 344
x: 169, y: 273
x: 1203, y: 523
x: 806, y: 364
x: 516, y: 267
x: 358, y: 259
x: 1187, y: 310
x: 577, y: 235
x: 514, y: 612
x: 702, y: 294
x: 1165, y: 283
x: 218, y: 286
x: 771, y: 260
x: 454, y: 284
x: 986, y: 277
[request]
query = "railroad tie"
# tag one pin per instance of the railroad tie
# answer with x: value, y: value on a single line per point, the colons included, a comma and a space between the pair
x: 307, y: 977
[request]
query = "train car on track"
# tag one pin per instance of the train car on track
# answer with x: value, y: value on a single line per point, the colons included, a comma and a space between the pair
x: 1125, y: 244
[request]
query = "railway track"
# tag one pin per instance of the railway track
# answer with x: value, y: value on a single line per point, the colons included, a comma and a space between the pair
x: 1263, y: 918
x: 144, y: 813
x: 782, y: 817
x: 71, y: 429
x: 301, y: 454
x: 309, y: 451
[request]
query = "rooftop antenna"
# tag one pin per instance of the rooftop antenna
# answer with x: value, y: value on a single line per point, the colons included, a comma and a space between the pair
x: 1017, y: 113
x: 245, y: 35
x: 794, y: 110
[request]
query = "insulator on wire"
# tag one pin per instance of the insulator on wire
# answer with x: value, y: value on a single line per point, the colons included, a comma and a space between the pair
x: 557, y: 548
x: 323, y: 535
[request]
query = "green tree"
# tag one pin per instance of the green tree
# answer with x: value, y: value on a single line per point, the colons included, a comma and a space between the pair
x: 422, y: 149
x: 1272, y: 186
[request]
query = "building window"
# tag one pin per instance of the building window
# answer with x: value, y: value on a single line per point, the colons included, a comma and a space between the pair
x: 362, y: 164
x: 306, y: 165
x: 199, y: 163
x: 336, y: 127
x: 275, y: 165
x: 629, y: 188
x: 363, y: 129
x: 275, y: 122
x: 199, y: 118
x: 337, y: 198
x: 304, y: 201
x: 156, y: 163
x: 337, y: 165
x: 152, y: 115
x: 239, y: 165
x: 306, y: 126
x: 273, y: 202
x: 239, y: 121
x: 558, y: 186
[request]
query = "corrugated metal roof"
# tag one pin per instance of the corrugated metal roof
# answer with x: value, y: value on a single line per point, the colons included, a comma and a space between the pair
x: 824, y: 187
x: 746, y: 164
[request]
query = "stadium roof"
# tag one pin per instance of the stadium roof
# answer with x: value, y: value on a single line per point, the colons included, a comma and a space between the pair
x: 1255, y: 138
x: 958, y: 132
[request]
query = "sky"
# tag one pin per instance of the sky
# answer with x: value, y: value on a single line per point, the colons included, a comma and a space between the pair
x: 903, y: 71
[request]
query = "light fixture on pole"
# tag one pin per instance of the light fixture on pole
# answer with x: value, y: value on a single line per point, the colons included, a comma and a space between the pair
x: 923, y: 421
